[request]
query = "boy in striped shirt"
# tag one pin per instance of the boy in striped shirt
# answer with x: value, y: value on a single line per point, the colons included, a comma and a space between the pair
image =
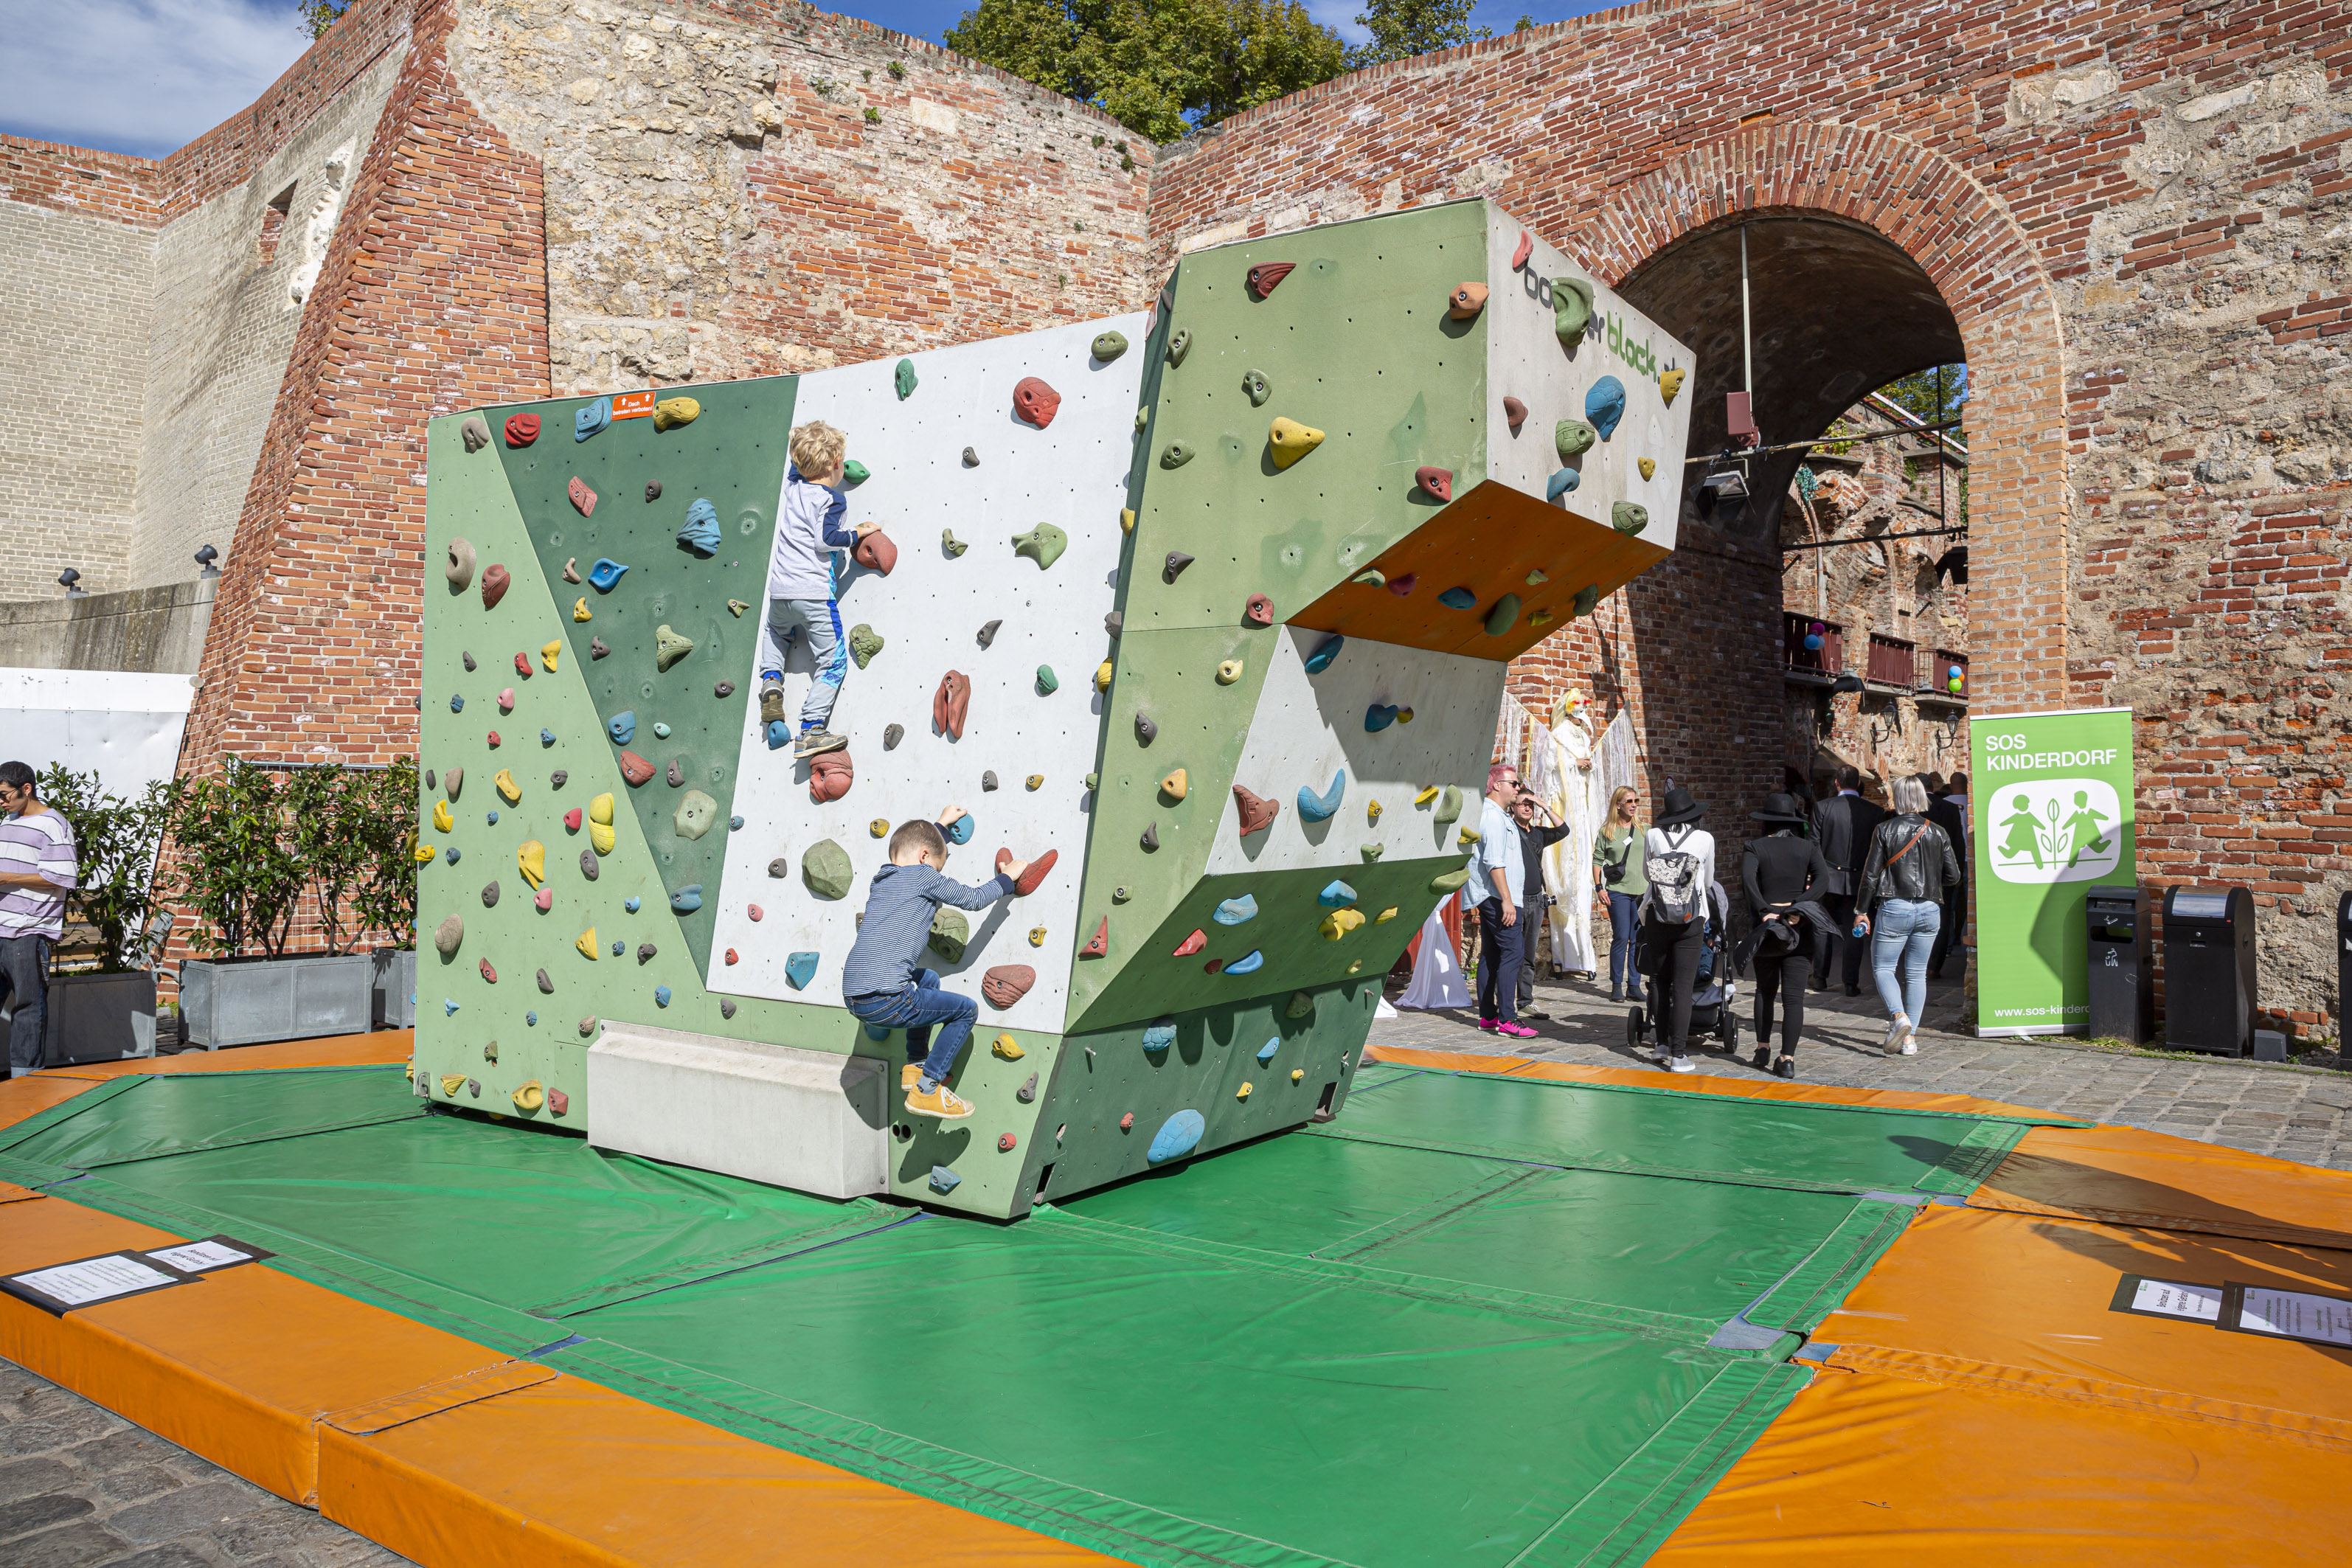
x: 37, y: 869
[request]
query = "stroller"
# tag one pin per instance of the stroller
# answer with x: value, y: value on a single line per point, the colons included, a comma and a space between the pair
x: 1713, y: 992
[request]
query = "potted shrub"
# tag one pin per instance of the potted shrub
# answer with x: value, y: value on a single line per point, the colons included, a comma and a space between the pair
x: 386, y: 898
x: 102, y: 1008
x: 258, y: 859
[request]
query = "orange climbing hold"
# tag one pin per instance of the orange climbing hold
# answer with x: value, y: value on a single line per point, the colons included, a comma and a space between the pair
x: 1437, y: 481
x: 1191, y: 944
x: 1467, y: 300
x: 1005, y: 1144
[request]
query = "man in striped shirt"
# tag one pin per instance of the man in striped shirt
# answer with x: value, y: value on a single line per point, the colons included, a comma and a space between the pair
x: 37, y: 869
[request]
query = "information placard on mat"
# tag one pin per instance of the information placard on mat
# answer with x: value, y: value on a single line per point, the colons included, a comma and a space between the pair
x: 212, y: 1252
x: 2169, y: 1298
x: 85, y: 1281
x: 2288, y: 1314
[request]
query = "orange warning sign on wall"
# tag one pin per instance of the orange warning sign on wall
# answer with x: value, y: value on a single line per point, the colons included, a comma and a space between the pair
x: 633, y: 405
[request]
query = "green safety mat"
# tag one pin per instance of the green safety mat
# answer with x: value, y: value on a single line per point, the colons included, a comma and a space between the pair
x: 1476, y: 1320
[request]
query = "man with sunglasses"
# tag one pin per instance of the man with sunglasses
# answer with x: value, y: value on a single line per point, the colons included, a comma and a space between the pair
x: 37, y: 869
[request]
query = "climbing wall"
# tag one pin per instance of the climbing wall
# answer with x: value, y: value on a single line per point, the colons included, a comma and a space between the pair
x: 1212, y: 603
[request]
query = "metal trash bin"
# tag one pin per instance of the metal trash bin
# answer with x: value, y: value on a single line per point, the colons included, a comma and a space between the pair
x: 2121, y: 985
x: 2208, y: 970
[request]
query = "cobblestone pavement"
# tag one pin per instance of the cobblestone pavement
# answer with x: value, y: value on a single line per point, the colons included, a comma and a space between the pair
x: 2293, y: 1112
x: 80, y: 1486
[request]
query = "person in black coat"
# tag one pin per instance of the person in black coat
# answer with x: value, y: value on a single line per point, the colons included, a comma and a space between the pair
x: 1533, y: 842
x: 1946, y: 811
x: 1841, y: 826
x: 1783, y: 875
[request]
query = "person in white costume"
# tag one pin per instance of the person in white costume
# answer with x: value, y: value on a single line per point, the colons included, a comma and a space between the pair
x: 1567, y: 788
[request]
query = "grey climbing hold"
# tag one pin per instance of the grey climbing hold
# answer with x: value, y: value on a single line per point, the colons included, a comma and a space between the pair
x: 1317, y: 808
x: 460, y: 568
x: 987, y: 633
x: 1028, y: 1091
x: 546, y: 986
x: 864, y: 644
x: 653, y: 490
x: 1625, y: 517
x: 558, y: 779
x: 687, y: 899
x: 1151, y: 835
x: 621, y: 727
x: 677, y: 774
x: 1108, y: 347
x: 1175, y: 455
x: 670, y: 646
x: 474, y: 432
x: 988, y: 780
x: 1256, y: 387
x: 646, y: 952
x: 696, y: 813
x: 452, y: 781
x: 1174, y: 567
x: 971, y: 458
x: 723, y: 689
x: 1234, y: 912
x: 892, y: 736
x: 470, y: 665
x: 700, y: 533
x: 1145, y: 731
x: 726, y: 1007
x: 1114, y: 622
x: 490, y: 896
x: 596, y: 648
x: 589, y: 867
x: 448, y: 935
x: 779, y: 867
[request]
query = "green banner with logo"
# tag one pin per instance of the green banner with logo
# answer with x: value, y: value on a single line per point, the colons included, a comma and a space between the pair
x: 2050, y: 803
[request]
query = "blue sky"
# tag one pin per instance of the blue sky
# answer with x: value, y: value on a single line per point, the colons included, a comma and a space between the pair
x: 147, y: 76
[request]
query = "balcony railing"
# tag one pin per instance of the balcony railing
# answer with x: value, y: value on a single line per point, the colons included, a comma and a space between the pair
x: 1940, y: 679
x: 1894, y: 661
x: 1826, y: 659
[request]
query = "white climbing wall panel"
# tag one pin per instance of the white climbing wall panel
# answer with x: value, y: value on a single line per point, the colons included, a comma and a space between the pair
x: 1306, y: 727
x: 1525, y: 360
x: 929, y: 612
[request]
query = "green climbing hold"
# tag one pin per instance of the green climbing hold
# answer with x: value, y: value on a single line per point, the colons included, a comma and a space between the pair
x: 669, y: 647
x: 854, y: 472
x: 1449, y: 882
x: 1047, y: 681
x: 1586, y: 598
x: 824, y: 869
x: 1503, y: 616
x: 1256, y: 387
x: 1572, y: 310
x: 1302, y: 1005
x: 1178, y: 346
x: 951, y: 545
x: 1573, y: 438
x: 694, y: 814
x: 1625, y: 517
x: 864, y: 644
x: 1044, y: 545
x: 950, y: 934
x: 1108, y: 347
x: 904, y: 379
x: 1374, y: 851
x: 1448, y: 808
x: 1175, y: 455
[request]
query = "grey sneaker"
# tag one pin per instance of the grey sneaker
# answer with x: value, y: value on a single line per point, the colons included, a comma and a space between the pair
x: 814, y: 741
x: 1898, y: 1030
x: 1910, y: 1045
x: 1682, y: 1064
x: 771, y: 704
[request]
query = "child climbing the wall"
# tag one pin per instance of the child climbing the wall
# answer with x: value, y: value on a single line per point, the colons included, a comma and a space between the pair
x: 801, y: 587
x: 883, y: 982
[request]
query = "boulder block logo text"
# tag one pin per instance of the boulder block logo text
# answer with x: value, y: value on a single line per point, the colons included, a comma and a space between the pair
x: 2054, y: 830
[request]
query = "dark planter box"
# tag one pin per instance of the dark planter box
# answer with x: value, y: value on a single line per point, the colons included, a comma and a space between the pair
x: 252, y: 1001
x: 395, y: 987
x: 98, y: 1018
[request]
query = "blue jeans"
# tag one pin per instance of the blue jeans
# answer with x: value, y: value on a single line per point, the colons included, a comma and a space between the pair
x: 1624, y: 914
x: 24, y: 973
x: 915, y: 1009
x: 1902, y: 933
x: 818, y: 620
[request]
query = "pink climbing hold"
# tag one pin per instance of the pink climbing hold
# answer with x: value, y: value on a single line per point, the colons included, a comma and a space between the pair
x: 756, y: 913
x: 1005, y: 1144
x: 1191, y: 944
x: 1266, y: 275
x: 636, y: 769
x: 572, y: 820
x: 1437, y: 481
x: 1036, y: 402
x: 876, y: 553
x: 494, y: 586
x: 1007, y: 983
x: 545, y: 899
x: 1403, y: 586
x: 1527, y: 248
x: 830, y: 776
x: 557, y: 1101
x: 505, y: 700
x: 1259, y: 612
x: 582, y: 496
x: 949, y: 702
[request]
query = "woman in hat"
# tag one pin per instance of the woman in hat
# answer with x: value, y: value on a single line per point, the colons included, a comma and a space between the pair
x: 1678, y: 858
x: 1782, y: 874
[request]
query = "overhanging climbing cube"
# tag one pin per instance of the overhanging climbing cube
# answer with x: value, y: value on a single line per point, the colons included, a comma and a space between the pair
x: 1270, y: 545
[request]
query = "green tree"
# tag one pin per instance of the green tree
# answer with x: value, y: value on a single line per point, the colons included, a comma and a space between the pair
x: 115, y: 841
x: 1933, y: 395
x: 315, y: 16
x: 1402, y: 28
x: 1161, y: 67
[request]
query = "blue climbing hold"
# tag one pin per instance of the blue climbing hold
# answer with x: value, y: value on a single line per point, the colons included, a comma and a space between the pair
x: 661, y: 996
x: 1234, y: 912
x: 1249, y: 965
x: 587, y: 421
x: 1178, y: 1136
x: 780, y: 735
x: 546, y: 736
x: 700, y: 533
x: 618, y: 949
x: 1560, y: 483
x: 1325, y: 652
x: 631, y: 905
x: 687, y: 899
x: 493, y: 818
x: 1317, y: 807
x: 456, y: 705
x: 1159, y: 1036
x: 1337, y: 895
x: 1265, y: 1052
x: 605, y: 574
x: 959, y: 830
x: 1457, y: 598
x: 735, y: 823
x: 944, y: 1180
x: 531, y: 1018
x: 448, y: 1007
x: 621, y: 727
x: 1604, y: 405
x: 800, y: 968
x: 876, y: 1032
x: 1379, y: 716
x: 451, y: 854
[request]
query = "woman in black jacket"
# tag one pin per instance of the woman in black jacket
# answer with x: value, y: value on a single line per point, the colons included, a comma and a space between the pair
x: 1909, y: 866
x: 1782, y: 873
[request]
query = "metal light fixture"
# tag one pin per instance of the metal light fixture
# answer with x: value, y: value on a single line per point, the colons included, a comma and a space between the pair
x: 69, y: 578
x: 205, y: 556
x: 1728, y: 485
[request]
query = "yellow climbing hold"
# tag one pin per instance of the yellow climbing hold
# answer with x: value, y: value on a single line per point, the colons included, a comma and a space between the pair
x: 1229, y: 671
x: 1669, y: 383
x: 1008, y: 1047
x: 529, y: 1097
x: 1541, y: 618
x: 1340, y: 922
x: 1372, y: 813
x: 1469, y: 835
x: 1355, y: 966
x: 1385, y: 916
x: 1425, y: 796
x: 1175, y: 786
x: 736, y: 608
x: 1036, y: 781
x: 1127, y: 520
x: 1297, y: 1075
x: 1243, y: 1092
x: 507, y: 788
x: 580, y: 609
x: 547, y: 652
x: 441, y: 821
x: 587, y: 944
x: 1404, y: 715
x: 1648, y: 466
x: 600, y: 824
x: 1036, y: 936
x: 531, y: 861
x: 1536, y: 579
x: 1291, y: 441
x: 424, y: 853
x: 672, y: 412
x: 451, y: 1082
x: 1102, y: 676
x: 878, y: 827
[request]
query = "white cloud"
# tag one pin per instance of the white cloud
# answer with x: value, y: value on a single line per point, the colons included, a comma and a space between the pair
x: 142, y: 76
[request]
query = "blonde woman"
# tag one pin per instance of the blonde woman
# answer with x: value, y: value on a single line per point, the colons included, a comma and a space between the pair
x: 1617, y: 873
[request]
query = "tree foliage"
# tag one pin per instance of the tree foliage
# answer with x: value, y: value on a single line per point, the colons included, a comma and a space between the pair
x: 1932, y: 395
x: 315, y: 16
x: 115, y: 841
x: 1402, y: 28
x: 1161, y: 67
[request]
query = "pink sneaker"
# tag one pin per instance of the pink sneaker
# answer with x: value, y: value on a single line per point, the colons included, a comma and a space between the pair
x: 1516, y: 1031
x: 1487, y: 1025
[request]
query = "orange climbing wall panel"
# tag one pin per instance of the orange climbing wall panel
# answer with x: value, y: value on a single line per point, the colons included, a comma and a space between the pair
x: 1488, y: 541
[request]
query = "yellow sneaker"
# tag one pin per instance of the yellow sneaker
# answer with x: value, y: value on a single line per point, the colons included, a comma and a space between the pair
x: 909, y: 1076
x: 941, y: 1102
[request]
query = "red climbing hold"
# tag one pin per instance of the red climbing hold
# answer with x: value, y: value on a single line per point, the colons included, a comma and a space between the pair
x: 1516, y: 412
x: 830, y: 776
x: 1007, y: 983
x: 876, y: 553
x: 1193, y: 944
x: 523, y: 665
x: 949, y: 703
x: 1267, y: 274
x: 494, y: 739
x: 1437, y: 481
x: 572, y: 820
x: 494, y: 586
x: 636, y: 769
x: 731, y: 955
x: 1004, y: 1143
x: 1028, y: 881
x: 1257, y: 815
x: 557, y: 1101
x: 582, y: 496
x: 1527, y: 248
x: 488, y: 973
x: 1259, y: 611
x: 1403, y: 586
x: 1098, y: 944
x: 1213, y: 965
x: 1036, y: 402
x: 522, y: 430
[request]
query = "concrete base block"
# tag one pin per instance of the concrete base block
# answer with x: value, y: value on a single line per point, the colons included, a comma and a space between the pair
x: 810, y: 1120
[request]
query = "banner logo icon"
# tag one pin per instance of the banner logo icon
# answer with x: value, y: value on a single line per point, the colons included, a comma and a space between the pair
x: 2054, y: 830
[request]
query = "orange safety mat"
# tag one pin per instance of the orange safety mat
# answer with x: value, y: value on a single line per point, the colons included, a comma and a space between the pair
x: 21, y: 1098
x: 327, y: 1051
x: 2130, y: 1177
